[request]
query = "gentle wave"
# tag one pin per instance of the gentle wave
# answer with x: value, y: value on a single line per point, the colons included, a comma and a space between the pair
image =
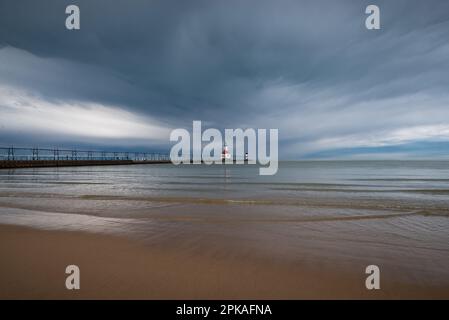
x: 403, y: 179
x: 306, y: 201
x: 366, y: 205
x: 420, y: 191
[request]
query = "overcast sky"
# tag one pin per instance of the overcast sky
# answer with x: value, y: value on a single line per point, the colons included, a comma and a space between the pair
x: 138, y: 69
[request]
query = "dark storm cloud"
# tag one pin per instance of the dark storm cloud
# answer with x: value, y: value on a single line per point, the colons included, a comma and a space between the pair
x: 309, y: 68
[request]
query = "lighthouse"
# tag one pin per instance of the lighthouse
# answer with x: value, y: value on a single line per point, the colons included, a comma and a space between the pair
x: 225, y: 153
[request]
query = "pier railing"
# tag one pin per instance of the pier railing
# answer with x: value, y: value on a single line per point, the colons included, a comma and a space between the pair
x: 29, y: 154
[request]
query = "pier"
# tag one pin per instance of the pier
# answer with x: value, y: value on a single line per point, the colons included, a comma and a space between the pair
x: 17, y: 157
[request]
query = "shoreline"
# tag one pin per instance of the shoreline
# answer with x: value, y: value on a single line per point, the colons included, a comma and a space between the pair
x: 33, y: 266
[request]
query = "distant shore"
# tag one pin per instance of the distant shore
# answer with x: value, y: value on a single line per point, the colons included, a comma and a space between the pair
x: 33, y: 267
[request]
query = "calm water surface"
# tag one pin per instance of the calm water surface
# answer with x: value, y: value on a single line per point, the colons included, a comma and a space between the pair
x: 393, y: 213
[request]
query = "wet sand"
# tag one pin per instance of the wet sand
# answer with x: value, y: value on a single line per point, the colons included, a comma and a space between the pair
x: 33, y: 266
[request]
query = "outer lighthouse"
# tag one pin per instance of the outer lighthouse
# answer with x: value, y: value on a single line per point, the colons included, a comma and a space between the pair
x: 225, y: 153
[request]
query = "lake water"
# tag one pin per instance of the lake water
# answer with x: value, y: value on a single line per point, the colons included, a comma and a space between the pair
x: 391, y: 213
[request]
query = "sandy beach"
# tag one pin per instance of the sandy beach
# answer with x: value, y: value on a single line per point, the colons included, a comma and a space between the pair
x: 33, y: 267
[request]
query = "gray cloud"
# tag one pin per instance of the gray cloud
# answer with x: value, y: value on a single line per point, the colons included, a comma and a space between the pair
x: 309, y: 68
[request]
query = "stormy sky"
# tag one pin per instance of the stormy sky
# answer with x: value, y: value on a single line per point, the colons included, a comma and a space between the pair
x: 138, y: 69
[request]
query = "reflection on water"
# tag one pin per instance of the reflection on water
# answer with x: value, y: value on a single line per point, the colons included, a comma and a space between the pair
x: 386, y: 212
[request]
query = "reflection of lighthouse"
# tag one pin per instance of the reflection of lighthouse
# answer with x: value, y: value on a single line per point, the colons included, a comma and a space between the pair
x: 225, y: 153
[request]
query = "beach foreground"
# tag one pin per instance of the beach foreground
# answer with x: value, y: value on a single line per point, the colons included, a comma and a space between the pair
x: 224, y: 232
x: 34, y: 261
